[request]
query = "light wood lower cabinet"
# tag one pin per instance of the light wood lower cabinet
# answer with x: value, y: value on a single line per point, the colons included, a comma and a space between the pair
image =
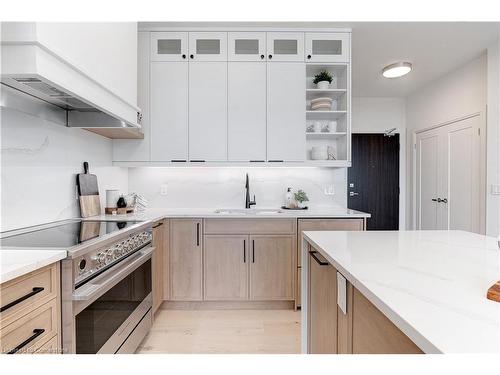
x: 186, y: 257
x: 30, y: 319
x: 362, y: 329
x: 226, y: 268
x: 322, y: 315
x: 271, y: 267
x: 321, y: 225
x: 374, y: 333
x: 160, y: 229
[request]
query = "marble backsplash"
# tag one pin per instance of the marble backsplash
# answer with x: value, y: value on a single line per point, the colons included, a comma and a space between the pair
x: 224, y: 187
x: 39, y: 163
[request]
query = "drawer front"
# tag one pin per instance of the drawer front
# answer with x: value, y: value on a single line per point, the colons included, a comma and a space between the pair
x: 31, y: 331
x: 250, y: 226
x: 50, y: 347
x: 28, y: 292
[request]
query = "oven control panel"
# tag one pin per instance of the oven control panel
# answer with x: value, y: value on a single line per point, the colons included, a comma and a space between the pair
x: 88, y: 264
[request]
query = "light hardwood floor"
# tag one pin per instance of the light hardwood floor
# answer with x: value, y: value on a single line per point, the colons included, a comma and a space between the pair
x: 224, y: 332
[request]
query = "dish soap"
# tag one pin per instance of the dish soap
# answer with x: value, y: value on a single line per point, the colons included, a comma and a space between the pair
x: 289, y: 198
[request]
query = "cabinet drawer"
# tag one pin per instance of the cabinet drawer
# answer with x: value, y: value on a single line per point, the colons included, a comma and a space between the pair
x: 25, y: 293
x: 31, y: 331
x: 249, y: 226
x: 50, y: 347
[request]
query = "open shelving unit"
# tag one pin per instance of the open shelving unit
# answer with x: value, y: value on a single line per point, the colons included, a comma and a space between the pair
x: 338, y: 140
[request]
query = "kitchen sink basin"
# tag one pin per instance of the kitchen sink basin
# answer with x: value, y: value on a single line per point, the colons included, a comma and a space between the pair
x: 250, y: 211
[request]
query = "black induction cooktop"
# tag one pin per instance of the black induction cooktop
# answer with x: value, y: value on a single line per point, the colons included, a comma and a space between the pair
x: 65, y: 235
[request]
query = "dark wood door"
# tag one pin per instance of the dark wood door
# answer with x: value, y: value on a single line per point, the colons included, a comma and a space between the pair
x: 373, y: 179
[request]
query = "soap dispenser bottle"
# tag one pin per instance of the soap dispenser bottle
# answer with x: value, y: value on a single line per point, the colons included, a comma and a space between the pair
x: 289, y: 198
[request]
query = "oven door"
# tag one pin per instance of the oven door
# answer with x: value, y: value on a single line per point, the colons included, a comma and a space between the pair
x: 115, y: 307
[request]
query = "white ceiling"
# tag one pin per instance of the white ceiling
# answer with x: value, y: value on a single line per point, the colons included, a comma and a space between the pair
x: 434, y: 48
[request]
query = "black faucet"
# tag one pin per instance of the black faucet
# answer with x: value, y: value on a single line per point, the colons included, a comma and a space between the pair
x: 248, y: 202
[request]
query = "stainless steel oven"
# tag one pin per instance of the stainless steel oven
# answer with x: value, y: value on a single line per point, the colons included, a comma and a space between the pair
x: 106, y: 295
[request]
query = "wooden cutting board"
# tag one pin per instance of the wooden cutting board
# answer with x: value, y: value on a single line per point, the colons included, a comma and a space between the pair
x: 494, y: 292
x: 88, y: 191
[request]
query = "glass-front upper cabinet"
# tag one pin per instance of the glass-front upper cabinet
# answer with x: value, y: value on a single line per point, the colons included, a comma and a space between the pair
x: 169, y: 46
x: 327, y: 47
x: 208, y: 46
x: 285, y: 46
x: 247, y: 46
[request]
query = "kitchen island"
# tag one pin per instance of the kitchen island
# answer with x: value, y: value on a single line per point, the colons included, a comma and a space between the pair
x: 404, y: 292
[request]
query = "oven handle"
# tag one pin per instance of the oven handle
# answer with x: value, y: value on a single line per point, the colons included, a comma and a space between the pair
x: 95, y: 288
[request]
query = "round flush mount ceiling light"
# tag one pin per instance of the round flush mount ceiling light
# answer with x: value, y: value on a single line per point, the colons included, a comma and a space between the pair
x: 397, y: 70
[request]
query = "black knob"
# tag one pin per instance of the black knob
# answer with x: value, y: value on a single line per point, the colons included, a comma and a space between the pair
x: 191, y: 56
x: 308, y: 56
x: 270, y: 56
x: 82, y: 264
x: 262, y: 57
x: 183, y: 56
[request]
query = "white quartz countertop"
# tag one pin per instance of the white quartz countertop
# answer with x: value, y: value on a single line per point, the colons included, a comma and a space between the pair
x: 160, y: 213
x: 431, y: 284
x: 15, y: 263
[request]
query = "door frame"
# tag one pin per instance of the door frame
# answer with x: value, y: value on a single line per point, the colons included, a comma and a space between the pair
x: 482, y: 169
x: 402, y: 171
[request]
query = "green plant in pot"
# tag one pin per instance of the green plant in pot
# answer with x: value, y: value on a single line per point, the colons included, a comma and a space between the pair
x: 301, y: 198
x: 323, y: 79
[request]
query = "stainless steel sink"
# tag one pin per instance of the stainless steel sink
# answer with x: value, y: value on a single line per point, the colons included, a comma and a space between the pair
x: 250, y: 211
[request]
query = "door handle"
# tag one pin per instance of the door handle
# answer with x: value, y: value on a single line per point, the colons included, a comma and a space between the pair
x: 353, y: 193
x: 435, y: 200
x: 197, y: 234
x: 244, y: 251
x: 36, y: 332
x: 320, y: 262
x: 253, y: 251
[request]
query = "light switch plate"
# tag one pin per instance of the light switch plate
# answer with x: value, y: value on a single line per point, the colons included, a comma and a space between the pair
x: 342, y: 292
x: 495, y: 189
x: 329, y: 190
x: 163, y: 189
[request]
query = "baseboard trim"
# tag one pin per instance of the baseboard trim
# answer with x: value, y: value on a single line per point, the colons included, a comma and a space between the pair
x: 227, y: 305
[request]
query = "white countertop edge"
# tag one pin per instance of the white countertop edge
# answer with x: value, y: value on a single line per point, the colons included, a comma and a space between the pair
x: 425, y: 345
x: 19, y: 268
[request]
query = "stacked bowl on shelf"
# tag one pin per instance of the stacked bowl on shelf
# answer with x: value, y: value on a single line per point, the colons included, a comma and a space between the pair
x: 321, y: 104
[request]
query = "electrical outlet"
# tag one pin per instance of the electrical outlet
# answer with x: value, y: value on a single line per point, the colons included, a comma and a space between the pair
x: 329, y: 190
x: 163, y: 189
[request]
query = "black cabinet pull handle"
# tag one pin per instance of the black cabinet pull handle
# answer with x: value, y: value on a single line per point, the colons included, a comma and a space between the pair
x: 197, y: 234
x: 270, y: 56
x: 158, y: 225
x: 34, y: 291
x: 244, y: 251
x: 178, y: 160
x: 317, y: 260
x: 253, y: 251
x: 183, y: 56
x: 262, y: 57
x: 434, y: 200
x: 191, y: 56
x: 36, y: 332
x: 309, y: 57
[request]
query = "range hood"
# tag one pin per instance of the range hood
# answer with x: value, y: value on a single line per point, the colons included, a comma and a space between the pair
x: 33, y: 69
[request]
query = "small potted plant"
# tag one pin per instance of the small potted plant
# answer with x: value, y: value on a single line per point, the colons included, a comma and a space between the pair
x: 323, y: 79
x: 301, y: 198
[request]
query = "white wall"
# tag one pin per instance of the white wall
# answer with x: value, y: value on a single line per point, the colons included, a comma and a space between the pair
x: 457, y: 94
x: 493, y: 141
x: 224, y: 187
x: 376, y: 115
x: 39, y: 162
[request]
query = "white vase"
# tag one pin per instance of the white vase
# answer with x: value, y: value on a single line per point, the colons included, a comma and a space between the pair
x: 323, y: 85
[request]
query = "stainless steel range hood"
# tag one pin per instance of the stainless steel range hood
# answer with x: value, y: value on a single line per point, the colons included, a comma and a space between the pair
x: 33, y: 69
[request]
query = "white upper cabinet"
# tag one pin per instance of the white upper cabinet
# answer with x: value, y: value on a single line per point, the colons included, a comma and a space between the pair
x: 207, y: 111
x: 169, y: 46
x: 246, y: 111
x: 327, y: 47
x: 169, y: 111
x: 208, y: 46
x: 285, y: 46
x: 247, y: 46
x: 286, y: 118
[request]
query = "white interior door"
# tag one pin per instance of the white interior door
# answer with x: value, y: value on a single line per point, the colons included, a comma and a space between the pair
x: 208, y: 111
x: 246, y: 111
x: 449, y: 177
